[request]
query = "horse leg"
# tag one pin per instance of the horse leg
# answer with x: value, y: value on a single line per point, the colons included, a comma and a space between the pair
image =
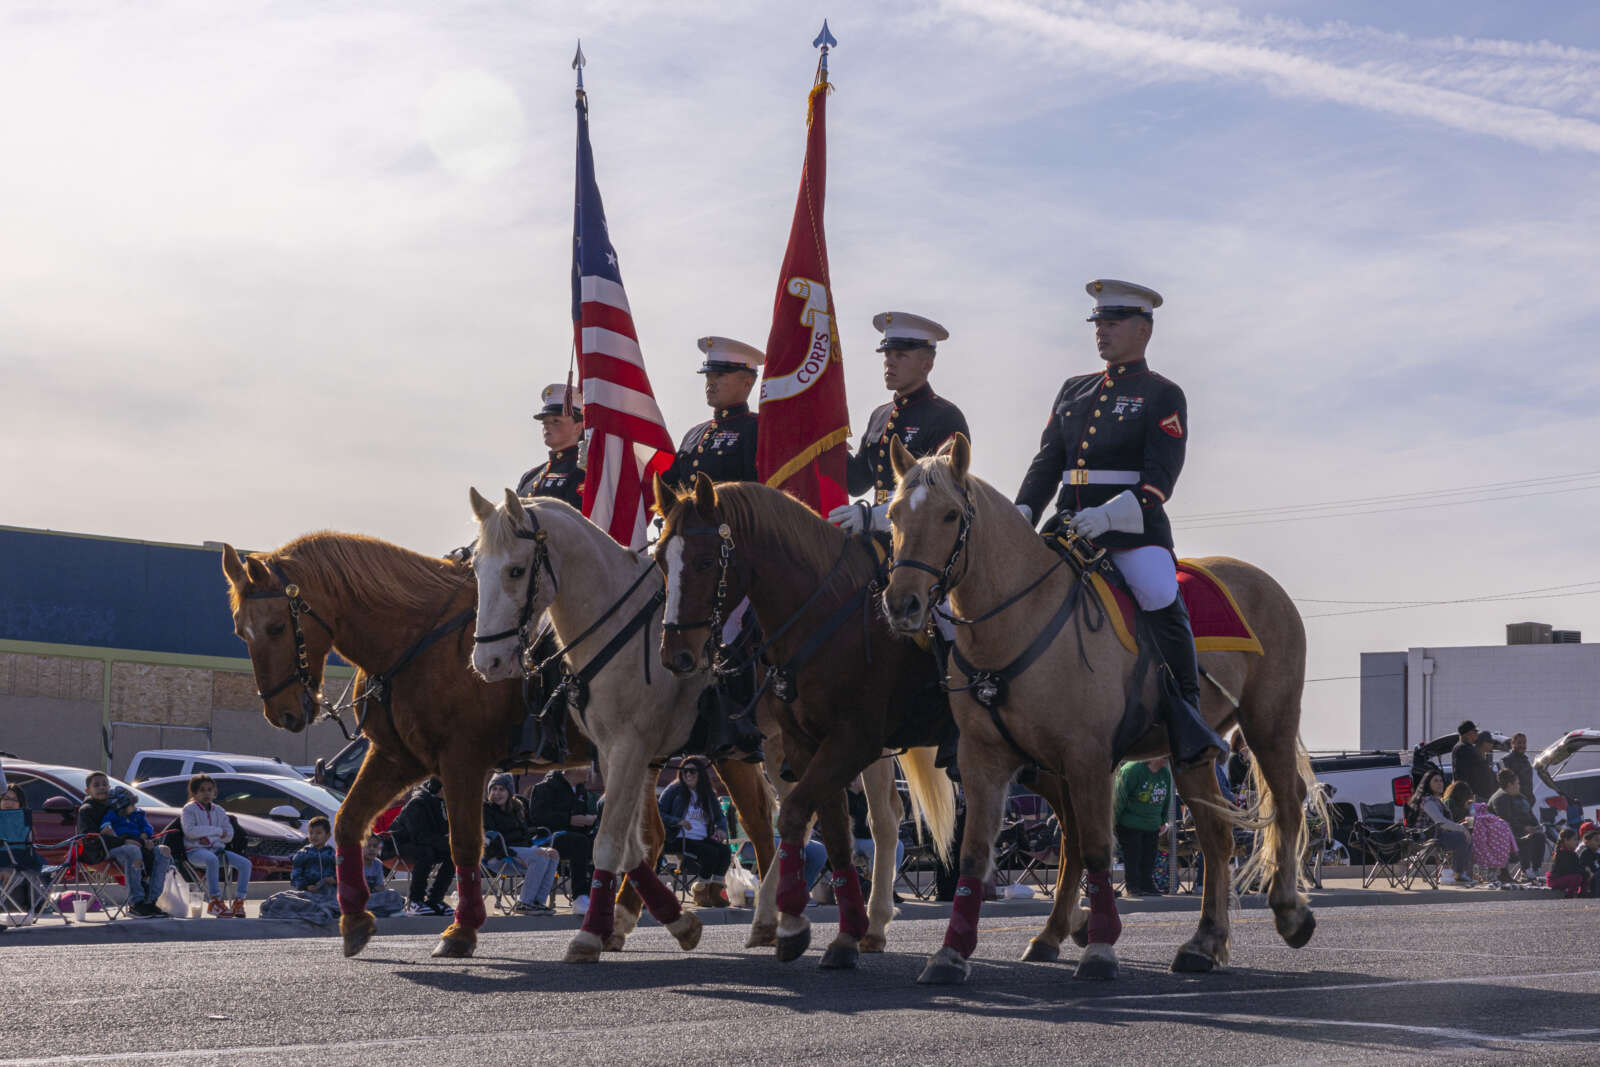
x: 1278, y: 767
x: 463, y: 802
x: 1092, y: 805
x: 764, y: 924
x: 381, y: 778
x: 752, y: 799
x: 630, y: 904
x: 833, y: 823
x: 987, y: 766
x: 1066, y: 918
x: 1208, y: 948
x: 616, y: 848
x: 819, y: 793
x: 883, y: 818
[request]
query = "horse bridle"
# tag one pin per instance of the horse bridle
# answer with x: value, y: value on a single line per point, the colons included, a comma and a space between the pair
x: 719, y: 604
x: 944, y: 578
x: 541, y: 560
x: 297, y: 608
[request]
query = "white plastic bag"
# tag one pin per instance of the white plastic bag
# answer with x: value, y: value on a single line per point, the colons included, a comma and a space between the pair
x: 173, y: 899
x: 742, y: 886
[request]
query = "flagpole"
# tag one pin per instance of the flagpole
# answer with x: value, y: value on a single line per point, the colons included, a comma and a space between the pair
x: 823, y: 41
x: 578, y: 63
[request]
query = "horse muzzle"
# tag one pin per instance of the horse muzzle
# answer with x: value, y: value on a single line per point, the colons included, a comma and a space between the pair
x: 906, y: 613
x: 681, y: 656
x: 496, y: 662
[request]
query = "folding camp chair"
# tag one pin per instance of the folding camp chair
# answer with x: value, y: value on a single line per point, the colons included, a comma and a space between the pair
x: 503, y: 877
x: 21, y: 867
x: 918, y: 869
x: 1382, y: 841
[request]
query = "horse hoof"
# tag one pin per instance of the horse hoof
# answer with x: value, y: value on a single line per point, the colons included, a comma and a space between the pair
x: 615, y: 942
x: 453, y: 948
x: 1192, y: 961
x: 945, y: 967
x: 762, y: 935
x: 357, y: 930
x: 840, y: 958
x: 1098, y: 964
x: 793, y: 946
x: 1302, y: 935
x: 583, y: 948
x: 686, y: 928
x: 873, y: 943
x: 1040, y: 952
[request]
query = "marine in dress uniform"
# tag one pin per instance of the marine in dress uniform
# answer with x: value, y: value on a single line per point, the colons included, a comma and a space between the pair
x: 559, y: 476
x: 921, y: 418
x: 1110, y: 454
x: 724, y: 446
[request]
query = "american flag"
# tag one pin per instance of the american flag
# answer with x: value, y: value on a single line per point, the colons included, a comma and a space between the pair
x: 628, y: 439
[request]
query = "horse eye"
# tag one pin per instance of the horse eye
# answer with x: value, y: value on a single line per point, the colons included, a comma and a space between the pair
x: 702, y: 564
x: 275, y: 629
x: 952, y: 515
x: 517, y: 572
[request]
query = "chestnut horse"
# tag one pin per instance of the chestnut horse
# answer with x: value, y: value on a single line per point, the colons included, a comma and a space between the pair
x: 1061, y: 709
x: 404, y: 619
x: 847, y: 686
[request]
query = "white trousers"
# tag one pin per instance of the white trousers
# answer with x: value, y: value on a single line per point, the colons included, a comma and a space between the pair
x: 1152, y: 574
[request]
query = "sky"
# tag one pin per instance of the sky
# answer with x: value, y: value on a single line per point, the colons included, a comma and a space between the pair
x: 267, y: 268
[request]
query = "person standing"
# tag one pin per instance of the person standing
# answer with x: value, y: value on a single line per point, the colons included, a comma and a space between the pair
x: 1140, y: 803
x: 560, y: 476
x: 1115, y: 444
x: 1464, y: 761
x: 1517, y: 760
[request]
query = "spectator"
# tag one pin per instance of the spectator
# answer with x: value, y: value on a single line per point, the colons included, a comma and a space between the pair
x: 315, y: 869
x: 131, y: 839
x: 861, y: 828
x: 422, y: 838
x: 1589, y: 857
x: 1239, y: 760
x: 91, y: 813
x: 1517, y: 760
x: 207, y: 830
x: 1458, y: 803
x: 560, y: 804
x: 1470, y: 761
x: 508, y: 838
x: 1564, y: 873
x: 1139, y: 809
x: 697, y: 827
x: 383, y: 901
x: 1428, y: 809
x: 25, y: 861
x: 1509, y: 803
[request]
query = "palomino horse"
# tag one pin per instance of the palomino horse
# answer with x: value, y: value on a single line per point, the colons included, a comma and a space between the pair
x: 604, y: 603
x: 847, y: 687
x: 405, y: 620
x: 1061, y: 708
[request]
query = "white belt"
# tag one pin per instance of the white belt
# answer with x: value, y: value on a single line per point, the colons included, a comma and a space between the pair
x: 1083, y: 477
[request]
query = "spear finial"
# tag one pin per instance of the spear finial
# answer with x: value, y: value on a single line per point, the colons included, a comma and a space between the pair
x: 578, y: 63
x: 824, y: 41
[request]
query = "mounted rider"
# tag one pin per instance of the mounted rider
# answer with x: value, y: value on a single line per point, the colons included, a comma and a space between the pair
x: 724, y: 449
x: 560, y: 476
x: 1114, y: 444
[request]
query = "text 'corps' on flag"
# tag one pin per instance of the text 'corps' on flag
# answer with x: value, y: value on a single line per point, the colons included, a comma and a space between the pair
x: 804, y: 419
x: 627, y: 438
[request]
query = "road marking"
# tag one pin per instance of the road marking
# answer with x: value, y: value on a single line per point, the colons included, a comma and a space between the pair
x: 1447, y: 1032
x: 1345, y: 986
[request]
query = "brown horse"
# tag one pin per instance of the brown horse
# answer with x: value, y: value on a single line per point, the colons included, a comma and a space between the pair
x: 953, y: 533
x: 405, y: 620
x: 847, y: 686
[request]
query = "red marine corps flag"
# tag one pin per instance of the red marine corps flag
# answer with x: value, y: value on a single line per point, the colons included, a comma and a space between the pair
x: 804, y: 419
x: 627, y: 440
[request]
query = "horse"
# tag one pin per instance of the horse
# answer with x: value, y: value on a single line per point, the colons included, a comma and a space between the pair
x: 845, y: 685
x: 404, y: 620
x: 954, y: 534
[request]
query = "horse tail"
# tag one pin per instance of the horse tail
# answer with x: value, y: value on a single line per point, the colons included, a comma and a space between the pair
x: 933, y: 799
x: 1268, y: 813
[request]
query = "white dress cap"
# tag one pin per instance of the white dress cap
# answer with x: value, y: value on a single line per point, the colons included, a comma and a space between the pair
x: 554, y: 399
x: 901, y: 329
x: 724, y: 353
x: 1112, y: 295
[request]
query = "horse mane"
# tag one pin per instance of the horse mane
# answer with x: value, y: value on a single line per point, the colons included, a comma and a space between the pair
x: 361, y: 569
x: 809, y: 541
x: 498, y: 533
x: 935, y: 474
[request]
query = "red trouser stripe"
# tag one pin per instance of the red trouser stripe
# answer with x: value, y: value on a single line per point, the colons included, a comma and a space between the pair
x: 962, y: 933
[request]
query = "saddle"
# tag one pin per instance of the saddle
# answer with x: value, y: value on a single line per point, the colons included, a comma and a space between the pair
x: 1218, y: 621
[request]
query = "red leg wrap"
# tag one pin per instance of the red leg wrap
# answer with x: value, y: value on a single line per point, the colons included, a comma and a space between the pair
x: 601, y: 916
x: 791, y: 879
x: 662, y: 902
x: 852, y: 912
x: 1105, y: 926
x: 470, y: 912
x: 962, y: 933
x: 353, y: 892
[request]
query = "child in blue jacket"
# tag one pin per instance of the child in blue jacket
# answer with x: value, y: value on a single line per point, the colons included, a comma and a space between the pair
x: 129, y: 825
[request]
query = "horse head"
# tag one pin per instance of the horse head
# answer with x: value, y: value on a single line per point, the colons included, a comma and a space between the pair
x: 930, y: 516
x: 703, y: 580
x: 288, y: 641
x: 516, y: 584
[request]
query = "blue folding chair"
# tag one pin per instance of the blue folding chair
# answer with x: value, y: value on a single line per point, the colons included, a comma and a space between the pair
x: 22, y: 867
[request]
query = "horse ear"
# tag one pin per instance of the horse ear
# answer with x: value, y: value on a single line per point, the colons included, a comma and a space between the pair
x: 255, y: 572
x: 481, y: 507
x: 900, y: 457
x: 232, y: 565
x: 960, y: 457
x: 662, y: 494
x: 515, y: 508
x: 705, y: 495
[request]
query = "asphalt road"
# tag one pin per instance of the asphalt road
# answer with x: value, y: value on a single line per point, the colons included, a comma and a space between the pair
x: 1513, y: 980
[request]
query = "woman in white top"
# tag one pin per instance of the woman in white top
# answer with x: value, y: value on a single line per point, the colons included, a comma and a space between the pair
x: 207, y: 832
x: 697, y: 828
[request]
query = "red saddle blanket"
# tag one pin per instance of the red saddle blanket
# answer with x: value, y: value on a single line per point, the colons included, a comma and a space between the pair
x: 1219, y: 625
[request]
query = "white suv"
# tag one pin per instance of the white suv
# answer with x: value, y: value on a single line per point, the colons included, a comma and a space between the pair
x: 171, y: 762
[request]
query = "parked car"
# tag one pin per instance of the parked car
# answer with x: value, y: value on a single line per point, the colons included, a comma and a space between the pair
x: 172, y: 762
x: 340, y: 771
x: 292, y: 801
x: 55, y: 792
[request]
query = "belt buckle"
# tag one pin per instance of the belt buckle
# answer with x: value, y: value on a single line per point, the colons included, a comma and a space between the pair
x: 1077, y: 477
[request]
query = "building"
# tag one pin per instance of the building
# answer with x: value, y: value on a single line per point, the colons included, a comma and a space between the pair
x: 1542, y: 682
x: 109, y: 646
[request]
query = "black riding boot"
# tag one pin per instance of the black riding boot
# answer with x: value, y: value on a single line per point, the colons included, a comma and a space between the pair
x: 1193, y: 742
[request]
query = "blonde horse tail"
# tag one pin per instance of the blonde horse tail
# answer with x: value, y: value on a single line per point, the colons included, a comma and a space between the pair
x: 933, y: 799
x: 1262, y: 866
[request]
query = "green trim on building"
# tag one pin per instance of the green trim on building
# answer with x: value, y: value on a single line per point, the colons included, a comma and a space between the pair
x: 159, y: 659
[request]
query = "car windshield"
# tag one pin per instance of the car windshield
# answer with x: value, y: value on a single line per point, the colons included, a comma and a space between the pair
x: 77, y: 779
x: 276, y: 770
x: 308, y: 791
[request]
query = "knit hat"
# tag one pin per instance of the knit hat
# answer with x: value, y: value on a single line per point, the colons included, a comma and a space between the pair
x: 1586, y: 829
x: 503, y: 781
x: 119, y: 798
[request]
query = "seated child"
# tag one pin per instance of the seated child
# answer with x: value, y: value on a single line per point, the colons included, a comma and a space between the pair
x: 1564, y: 873
x: 315, y: 869
x: 1589, y: 858
x: 384, y: 901
x: 126, y: 829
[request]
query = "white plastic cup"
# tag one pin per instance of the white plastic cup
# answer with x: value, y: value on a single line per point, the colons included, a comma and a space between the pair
x: 195, y: 908
x: 80, y: 907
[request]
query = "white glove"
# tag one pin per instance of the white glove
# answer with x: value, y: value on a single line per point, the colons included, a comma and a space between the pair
x: 880, y: 519
x: 851, y: 518
x: 1121, y: 513
x: 583, y: 450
